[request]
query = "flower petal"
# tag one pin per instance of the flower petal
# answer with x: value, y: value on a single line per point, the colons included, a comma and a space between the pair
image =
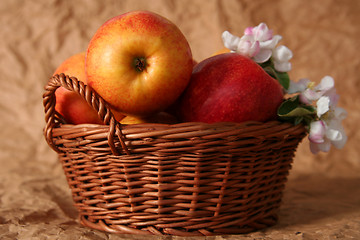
x: 298, y: 86
x: 323, y: 105
x: 339, y: 144
x: 281, y: 56
x: 249, y: 31
x: 339, y: 113
x: 326, y: 84
x: 317, y: 132
x: 320, y: 147
x: 333, y: 135
x: 282, y: 53
x: 334, y: 97
x: 314, y: 148
x: 308, y: 96
x: 230, y: 41
x: 336, y: 133
x: 254, y: 49
x: 262, y: 56
x: 282, y: 66
x: 262, y: 32
x: 325, y: 147
x: 270, y: 44
x: 248, y: 48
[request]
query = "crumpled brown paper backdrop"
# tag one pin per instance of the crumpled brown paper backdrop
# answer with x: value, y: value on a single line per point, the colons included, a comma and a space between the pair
x: 322, y: 197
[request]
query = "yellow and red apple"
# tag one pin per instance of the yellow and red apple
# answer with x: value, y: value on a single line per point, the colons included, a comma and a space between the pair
x: 160, y: 117
x: 230, y: 87
x: 139, y: 62
x: 70, y: 105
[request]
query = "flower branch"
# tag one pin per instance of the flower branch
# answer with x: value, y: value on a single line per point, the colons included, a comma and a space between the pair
x: 314, y: 106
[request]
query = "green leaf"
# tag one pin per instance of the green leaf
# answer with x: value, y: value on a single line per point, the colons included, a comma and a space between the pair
x: 282, y: 77
x: 288, y: 106
x: 298, y: 120
x: 269, y: 70
x: 293, y: 108
x: 299, y: 111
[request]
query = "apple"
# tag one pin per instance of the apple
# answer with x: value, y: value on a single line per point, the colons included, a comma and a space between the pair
x: 139, y: 62
x: 161, y: 117
x: 230, y: 87
x: 70, y: 105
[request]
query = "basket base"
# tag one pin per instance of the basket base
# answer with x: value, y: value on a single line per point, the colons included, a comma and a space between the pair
x: 153, y: 230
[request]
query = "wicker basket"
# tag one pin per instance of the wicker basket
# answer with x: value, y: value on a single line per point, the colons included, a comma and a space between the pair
x: 183, y: 179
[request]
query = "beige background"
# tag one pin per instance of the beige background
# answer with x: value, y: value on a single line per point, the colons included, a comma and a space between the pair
x: 322, y: 198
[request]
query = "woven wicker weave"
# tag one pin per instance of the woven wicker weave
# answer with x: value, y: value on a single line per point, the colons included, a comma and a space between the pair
x: 183, y: 179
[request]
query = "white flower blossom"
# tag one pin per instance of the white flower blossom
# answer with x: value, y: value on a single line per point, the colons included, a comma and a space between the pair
x: 322, y: 106
x: 259, y: 43
x: 327, y: 130
x: 231, y: 42
x: 309, y: 92
x: 248, y: 47
x: 281, y: 56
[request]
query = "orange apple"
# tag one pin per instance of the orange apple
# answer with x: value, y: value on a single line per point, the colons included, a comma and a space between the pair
x: 139, y: 62
x: 70, y: 105
x: 161, y: 117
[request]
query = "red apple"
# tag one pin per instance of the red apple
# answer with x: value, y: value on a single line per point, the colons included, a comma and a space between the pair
x: 139, y: 62
x: 230, y: 88
x: 70, y: 105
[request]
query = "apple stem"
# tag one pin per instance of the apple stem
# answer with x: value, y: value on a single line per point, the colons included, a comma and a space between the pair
x: 140, y: 64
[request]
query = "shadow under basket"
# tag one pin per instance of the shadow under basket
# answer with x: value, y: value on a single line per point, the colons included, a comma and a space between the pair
x: 183, y: 179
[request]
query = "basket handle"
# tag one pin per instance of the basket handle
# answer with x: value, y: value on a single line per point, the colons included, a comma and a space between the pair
x: 53, y: 118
